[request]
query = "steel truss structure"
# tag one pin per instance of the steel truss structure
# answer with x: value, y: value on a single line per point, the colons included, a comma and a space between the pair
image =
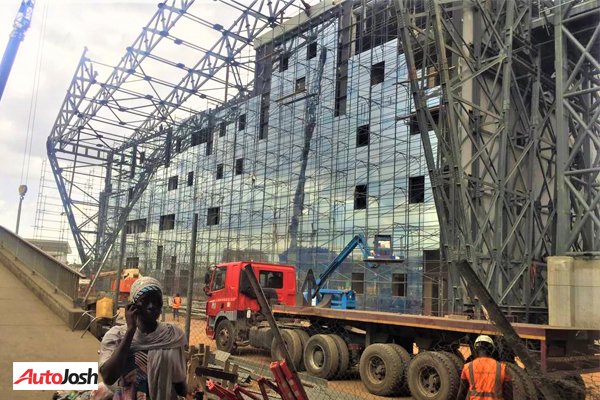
x: 101, y: 131
x: 505, y: 98
x: 516, y: 173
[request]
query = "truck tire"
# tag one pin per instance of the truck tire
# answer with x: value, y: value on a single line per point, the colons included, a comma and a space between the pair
x: 523, y: 387
x: 380, y: 371
x: 321, y: 357
x: 432, y: 376
x: 225, y: 336
x: 293, y: 344
x: 456, y: 360
x: 344, y: 354
x: 266, y: 338
x: 405, y: 357
x: 304, y: 336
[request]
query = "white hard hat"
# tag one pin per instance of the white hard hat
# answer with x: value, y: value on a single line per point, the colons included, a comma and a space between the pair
x: 484, y: 339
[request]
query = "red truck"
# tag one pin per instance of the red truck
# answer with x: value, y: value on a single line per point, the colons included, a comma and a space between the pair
x: 332, y: 343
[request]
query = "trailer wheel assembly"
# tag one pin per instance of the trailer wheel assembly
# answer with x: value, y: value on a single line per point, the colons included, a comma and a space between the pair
x: 405, y: 357
x: 381, y: 369
x: 266, y: 338
x: 321, y: 357
x: 225, y: 336
x: 293, y: 344
x: 304, y: 336
x: 523, y: 387
x: 456, y: 360
x: 432, y: 376
x: 344, y: 354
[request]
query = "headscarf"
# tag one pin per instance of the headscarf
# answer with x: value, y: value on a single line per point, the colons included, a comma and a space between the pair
x: 143, y: 285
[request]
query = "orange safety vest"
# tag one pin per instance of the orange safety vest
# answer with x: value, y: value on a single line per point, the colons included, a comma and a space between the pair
x: 485, y: 376
x: 176, y: 302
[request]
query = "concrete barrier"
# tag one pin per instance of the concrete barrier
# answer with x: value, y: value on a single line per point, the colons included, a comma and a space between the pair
x: 574, y: 291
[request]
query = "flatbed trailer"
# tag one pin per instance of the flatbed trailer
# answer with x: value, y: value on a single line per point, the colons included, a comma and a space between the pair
x: 380, y: 346
x: 560, y: 349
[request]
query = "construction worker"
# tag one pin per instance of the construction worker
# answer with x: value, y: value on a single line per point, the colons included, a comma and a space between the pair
x: 176, y: 305
x: 484, y: 378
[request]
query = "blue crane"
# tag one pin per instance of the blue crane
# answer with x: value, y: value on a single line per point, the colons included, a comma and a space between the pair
x: 314, y: 289
x: 20, y: 26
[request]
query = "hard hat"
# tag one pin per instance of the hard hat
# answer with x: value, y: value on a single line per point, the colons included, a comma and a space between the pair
x: 484, y: 339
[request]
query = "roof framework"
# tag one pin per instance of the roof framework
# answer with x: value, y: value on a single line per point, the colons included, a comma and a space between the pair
x: 163, y: 79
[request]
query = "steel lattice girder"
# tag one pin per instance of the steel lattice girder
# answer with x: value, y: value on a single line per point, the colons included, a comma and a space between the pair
x: 494, y: 174
x: 577, y: 67
x: 96, y: 139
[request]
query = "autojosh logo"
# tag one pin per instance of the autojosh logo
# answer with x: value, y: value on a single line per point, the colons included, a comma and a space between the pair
x: 55, y: 375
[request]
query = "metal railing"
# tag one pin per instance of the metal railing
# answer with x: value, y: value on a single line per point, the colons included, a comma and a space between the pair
x: 62, y: 277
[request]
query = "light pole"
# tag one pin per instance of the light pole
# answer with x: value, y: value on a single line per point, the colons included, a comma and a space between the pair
x: 22, y: 191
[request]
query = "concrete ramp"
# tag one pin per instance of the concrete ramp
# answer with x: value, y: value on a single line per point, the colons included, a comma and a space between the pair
x: 30, y: 327
x: 53, y: 282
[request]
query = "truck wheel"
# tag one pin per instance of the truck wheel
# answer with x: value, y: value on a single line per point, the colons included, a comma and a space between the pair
x: 342, y: 349
x: 304, y: 336
x: 379, y: 369
x: 405, y: 357
x: 432, y: 376
x: 225, y: 336
x: 458, y: 363
x: 523, y: 387
x: 266, y: 338
x: 293, y: 344
x: 321, y: 357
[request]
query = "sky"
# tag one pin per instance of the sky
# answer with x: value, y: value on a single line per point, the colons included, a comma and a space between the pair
x: 40, y: 77
x: 30, y: 103
x: 41, y: 74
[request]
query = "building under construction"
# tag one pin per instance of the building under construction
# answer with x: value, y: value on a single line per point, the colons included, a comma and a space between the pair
x: 464, y: 130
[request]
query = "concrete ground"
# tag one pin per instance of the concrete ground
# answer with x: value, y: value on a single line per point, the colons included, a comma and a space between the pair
x: 30, y: 331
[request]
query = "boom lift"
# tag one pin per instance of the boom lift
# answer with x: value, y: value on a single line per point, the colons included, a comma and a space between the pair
x: 313, y: 290
x: 20, y: 26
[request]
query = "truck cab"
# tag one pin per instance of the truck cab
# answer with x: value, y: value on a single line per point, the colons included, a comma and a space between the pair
x: 231, y: 307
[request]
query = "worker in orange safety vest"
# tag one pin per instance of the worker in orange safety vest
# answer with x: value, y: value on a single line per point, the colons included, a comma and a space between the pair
x: 176, y: 305
x: 484, y: 378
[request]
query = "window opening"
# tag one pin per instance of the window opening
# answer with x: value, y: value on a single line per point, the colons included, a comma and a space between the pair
x: 377, y: 73
x: 416, y: 189
x: 239, y: 166
x: 172, y: 184
x: 360, y: 197
x: 167, y: 222
x: 399, y: 285
x: 213, y: 216
x: 311, y: 50
x: 362, y: 136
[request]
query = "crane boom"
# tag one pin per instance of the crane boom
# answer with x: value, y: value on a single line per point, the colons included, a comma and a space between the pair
x: 20, y: 26
x: 313, y: 288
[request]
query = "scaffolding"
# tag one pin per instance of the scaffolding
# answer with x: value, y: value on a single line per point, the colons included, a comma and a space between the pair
x: 289, y: 136
x: 50, y: 221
